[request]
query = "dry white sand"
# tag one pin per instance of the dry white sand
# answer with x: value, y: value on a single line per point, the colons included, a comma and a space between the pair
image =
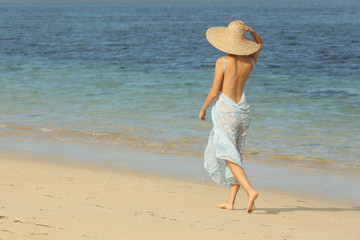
x: 44, y: 200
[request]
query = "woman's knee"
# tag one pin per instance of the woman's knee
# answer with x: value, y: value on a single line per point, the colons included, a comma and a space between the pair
x: 232, y: 164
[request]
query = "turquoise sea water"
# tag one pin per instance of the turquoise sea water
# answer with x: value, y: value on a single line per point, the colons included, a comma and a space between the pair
x: 137, y: 74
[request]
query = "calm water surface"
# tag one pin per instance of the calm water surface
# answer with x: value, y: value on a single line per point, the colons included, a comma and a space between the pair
x: 138, y: 73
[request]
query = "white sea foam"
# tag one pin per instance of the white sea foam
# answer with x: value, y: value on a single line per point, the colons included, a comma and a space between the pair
x: 46, y: 129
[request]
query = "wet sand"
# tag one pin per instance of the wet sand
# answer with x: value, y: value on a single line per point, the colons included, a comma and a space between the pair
x: 42, y: 199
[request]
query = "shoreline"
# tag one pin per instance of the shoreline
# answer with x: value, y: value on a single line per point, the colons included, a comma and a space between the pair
x: 283, y: 177
x: 30, y: 158
x: 178, y: 147
x: 46, y: 197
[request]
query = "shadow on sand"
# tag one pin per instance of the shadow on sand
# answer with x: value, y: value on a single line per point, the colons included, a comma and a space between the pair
x: 299, y: 208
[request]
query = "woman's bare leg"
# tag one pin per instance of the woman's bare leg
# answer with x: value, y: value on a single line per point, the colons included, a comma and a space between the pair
x: 240, y: 176
x: 229, y: 204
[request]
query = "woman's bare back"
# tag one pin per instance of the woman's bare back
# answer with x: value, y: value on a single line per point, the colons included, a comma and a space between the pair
x: 237, y: 70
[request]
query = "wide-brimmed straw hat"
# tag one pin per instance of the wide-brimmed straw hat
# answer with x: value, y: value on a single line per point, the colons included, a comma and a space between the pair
x: 231, y: 39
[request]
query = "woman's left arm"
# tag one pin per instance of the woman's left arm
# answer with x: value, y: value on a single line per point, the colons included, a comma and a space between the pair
x: 214, y: 91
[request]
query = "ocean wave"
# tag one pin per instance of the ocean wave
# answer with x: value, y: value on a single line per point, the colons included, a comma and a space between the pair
x: 181, y: 146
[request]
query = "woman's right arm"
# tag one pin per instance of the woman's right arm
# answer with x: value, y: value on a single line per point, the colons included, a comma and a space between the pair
x: 257, y: 39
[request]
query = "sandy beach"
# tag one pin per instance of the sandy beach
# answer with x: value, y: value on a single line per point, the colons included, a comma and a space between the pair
x: 41, y: 199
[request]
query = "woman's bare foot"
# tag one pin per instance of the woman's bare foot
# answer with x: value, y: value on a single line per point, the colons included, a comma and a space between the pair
x: 226, y: 205
x: 251, y: 205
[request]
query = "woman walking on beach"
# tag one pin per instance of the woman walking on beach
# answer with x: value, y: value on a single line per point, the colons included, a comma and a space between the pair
x: 230, y: 113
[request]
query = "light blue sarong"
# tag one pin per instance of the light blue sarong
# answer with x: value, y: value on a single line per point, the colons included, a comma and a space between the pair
x: 226, y: 141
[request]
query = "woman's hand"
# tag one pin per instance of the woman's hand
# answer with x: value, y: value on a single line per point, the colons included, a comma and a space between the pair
x: 247, y: 28
x: 202, y: 115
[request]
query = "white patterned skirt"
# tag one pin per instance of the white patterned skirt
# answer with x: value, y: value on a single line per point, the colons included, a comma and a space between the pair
x: 227, y: 138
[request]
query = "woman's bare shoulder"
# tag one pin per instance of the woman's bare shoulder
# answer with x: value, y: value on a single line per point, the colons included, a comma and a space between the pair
x: 248, y: 61
x: 220, y: 60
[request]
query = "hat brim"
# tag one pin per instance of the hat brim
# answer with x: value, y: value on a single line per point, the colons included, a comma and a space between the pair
x: 217, y: 37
